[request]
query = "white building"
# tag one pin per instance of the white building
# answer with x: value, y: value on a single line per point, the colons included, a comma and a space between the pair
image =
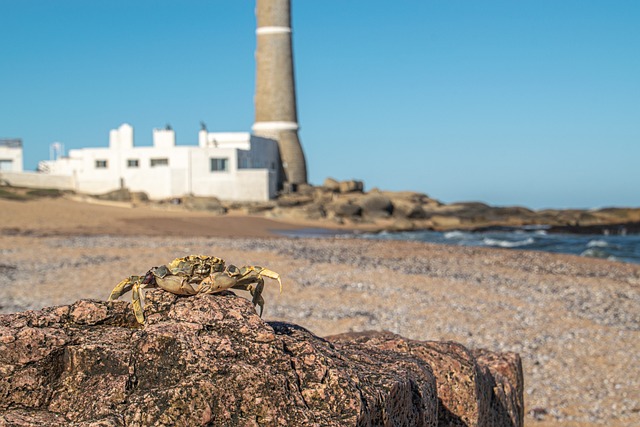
x: 10, y: 155
x: 229, y: 166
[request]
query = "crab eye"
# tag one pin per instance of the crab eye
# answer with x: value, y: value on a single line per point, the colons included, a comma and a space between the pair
x: 232, y: 270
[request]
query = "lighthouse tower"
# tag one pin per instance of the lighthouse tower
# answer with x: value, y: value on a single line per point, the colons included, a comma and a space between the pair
x: 275, y: 98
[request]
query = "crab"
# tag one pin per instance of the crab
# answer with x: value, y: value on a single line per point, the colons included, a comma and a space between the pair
x: 196, y: 274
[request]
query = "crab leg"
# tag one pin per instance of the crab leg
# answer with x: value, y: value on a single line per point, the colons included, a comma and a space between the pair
x: 123, y: 287
x: 261, y: 271
x: 137, y: 302
x: 256, y: 293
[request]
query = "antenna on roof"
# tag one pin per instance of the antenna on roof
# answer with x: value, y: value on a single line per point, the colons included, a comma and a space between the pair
x: 56, y: 151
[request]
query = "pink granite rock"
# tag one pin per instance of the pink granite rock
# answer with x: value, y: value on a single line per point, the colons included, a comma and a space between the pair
x: 478, y: 388
x: 210, y: 360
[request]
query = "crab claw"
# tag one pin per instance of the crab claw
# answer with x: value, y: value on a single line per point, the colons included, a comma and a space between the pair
x: 123, y: 287
x: 268, y: 273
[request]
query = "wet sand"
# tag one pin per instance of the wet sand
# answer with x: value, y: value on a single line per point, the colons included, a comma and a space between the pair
x: 575, y: 321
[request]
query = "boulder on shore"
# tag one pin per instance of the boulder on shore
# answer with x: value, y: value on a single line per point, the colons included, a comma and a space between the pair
x: 208, y: 204
x: 349, y: 186
x: 210, y: 360
x: 376, y: 206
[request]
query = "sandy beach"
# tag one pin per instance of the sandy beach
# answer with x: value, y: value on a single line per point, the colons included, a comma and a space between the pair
x: 574, y: 321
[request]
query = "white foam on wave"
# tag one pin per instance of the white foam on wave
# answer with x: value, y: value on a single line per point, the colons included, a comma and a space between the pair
x: 506, y: 243
x: 597, y: 244
x: 454, y: 235
x: 595, y: 253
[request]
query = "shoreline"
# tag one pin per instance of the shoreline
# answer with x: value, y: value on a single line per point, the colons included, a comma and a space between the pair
x: 71, y: 217
x: 321, y: 207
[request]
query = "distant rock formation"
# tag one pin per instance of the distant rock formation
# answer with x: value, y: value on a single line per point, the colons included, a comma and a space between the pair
x: 211, y: 360
x: 346, y: 202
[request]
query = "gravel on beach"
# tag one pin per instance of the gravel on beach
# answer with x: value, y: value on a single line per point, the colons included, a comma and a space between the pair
x: 574, y: 321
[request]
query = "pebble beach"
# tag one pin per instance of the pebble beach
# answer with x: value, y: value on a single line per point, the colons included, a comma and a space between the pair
x: 574, y: 321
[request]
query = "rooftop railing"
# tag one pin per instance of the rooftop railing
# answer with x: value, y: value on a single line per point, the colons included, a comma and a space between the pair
x: 11, y: 142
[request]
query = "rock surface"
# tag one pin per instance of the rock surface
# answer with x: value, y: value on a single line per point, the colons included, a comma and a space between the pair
x: 208, y: 204
x: 210, y: 360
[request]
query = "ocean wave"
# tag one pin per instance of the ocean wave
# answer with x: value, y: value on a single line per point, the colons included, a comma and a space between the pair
x: 507, y: 243
x: 595, y: 253
x: 597, y: 244
x: 614, y: 248
x: 454, y: 235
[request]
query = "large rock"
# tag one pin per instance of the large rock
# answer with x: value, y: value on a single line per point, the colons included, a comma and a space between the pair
x: 409, y: 210
x: 445, y: 222
x: 348, y: 186
x: 376, y: 206
x: 344, y: 209
x: 331, y: 184
x: 123, y: 195
x: 351, y: 186
x: 504, y: 373
x: 312, y: 211
x: 210, y: 360
x: 209, y: 204
x: 479, y: 388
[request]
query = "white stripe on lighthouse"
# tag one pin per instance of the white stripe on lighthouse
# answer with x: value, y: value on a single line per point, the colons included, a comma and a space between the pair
x: 273, y: 30
x: 275, y: 126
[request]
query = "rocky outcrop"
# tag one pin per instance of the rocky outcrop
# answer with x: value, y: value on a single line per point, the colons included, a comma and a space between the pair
x: 348, y: 186
x: 403, y: 210
x: 346, y: 202
x: 376, y: 206
x: 124, y: 195
x: 351, y: 186
x: 477, y: 388
x: 210, y: 360
x: 331, y: 184
x: 345, y: 209
x: 208, y: 204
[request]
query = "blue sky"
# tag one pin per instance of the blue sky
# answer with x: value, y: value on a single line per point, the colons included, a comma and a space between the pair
x: 533, y: 102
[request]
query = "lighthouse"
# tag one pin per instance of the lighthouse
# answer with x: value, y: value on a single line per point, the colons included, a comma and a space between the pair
x: 275, y: 98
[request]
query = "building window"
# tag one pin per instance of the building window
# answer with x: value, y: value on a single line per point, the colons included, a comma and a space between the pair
x: 244, y: 163
x: 6, y: 164
x: 159, y: 162
x: 133, y: 163
x: 101, y: 164
x: 218, y: 165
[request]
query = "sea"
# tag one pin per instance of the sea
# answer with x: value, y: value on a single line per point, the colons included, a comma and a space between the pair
x: 623, y: 248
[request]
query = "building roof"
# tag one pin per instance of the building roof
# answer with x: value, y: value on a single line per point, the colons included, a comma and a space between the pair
x: 11, y: 142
